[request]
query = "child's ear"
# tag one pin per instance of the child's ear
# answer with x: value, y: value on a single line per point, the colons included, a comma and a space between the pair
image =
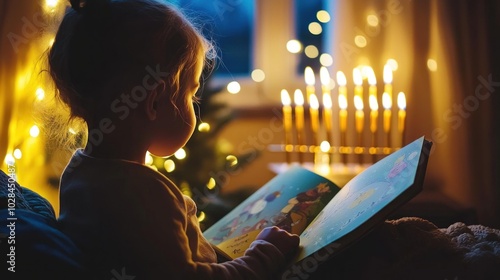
x: 153, y: 100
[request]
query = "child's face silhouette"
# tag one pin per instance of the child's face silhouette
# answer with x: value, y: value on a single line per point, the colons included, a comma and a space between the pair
x: 176, y: 125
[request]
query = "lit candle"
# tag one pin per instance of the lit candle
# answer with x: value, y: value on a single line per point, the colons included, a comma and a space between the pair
x: 372, y: 81
x: 373, y: 113
x: 387, y: 103
x: 325, y: 80
x: 343, y: 124
x: 313, y: 111
x: 388, y: 80
x: 360, y: 116
x: 341, y: 81
x: 287, y: 121
x: 358, y: 83
x: 327, y: 116
x: 401, y: 116
x: 310, y: 81
x: 298, y: 99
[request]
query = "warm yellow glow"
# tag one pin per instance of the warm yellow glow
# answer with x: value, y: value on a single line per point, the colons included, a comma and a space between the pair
x: 324, y: 76
x: 387, y: 74
x: 401, y: 101
x: 357, y: 77
x: 386, y: 101
x: 313, y: 102
x: 148, y: 160
x: 327, y: 101
x: 201, y: 217
x: 372, y: 20
x: 341, y: 79
x: 372, y: 80
x: 315, y: 28
x: 432, y: 65
x: 326, y: 60
x: 285, y: 98
x: 40, y: 93
x: 258, y: 75
x: 180, y: 154
x: 373, y: 103
x: 324, y: 146
x: 169, y: 165
x: 211, y: 183
x: 233, y: 87
x: 9, y: 159
x: 294, y: 46
x: 298, y: 97
x: 72, y: 131
x: 34, y: 131
x: 323, y: 16
x: 17, y: 154
x: 51, y: 3
x: 153, y: 167
x: 204, y: 127
x: 342, y: 102
x: 309, y: 76
x: 358, y: 103
x: 393, y: 63
x: 233, y: 160
x: 311, y: 51
x: 185, y: 188
x: 360, y: 41
x: 51, y: 42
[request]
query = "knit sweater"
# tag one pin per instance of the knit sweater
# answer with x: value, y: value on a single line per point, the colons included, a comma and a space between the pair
x: 131, y: 221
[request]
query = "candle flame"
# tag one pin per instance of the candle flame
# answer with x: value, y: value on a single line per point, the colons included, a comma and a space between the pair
x: 372, y: 80
x: 401, y: 101
x: 313, y: 102
x: 309, y: 76
x: 327, y: 101
x: 298, y: 97
x: 358, y: 103
x: 285, y: 98
x: 386, y: 101
x: 324, y: 76
x: 342, y: 102
x: 387, y: 74
x: 357, y: 77
x: 373, y: 103
x: 341, y: 80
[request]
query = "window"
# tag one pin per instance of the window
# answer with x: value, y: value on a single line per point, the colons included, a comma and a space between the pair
x: 230, y: 23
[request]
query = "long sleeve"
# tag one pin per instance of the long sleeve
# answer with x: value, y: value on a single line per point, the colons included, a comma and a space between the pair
x: 132, y: 221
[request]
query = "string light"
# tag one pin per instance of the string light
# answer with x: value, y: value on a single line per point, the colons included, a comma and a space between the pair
x: 169, y: 165
x: 311, y: 51
x: 233, y: 87
x: 323, y: 16
x: 17, y: 154
x: 34, y: 131
x: 294, y: 46
x: 40, y: 93
x: 211, y: 183
x: 258, y: 75
x: 180, y: 154
x: 148, y: 160
x: 204, y: 127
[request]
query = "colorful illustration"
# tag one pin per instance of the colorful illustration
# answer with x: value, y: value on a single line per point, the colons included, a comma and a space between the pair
x: 362, y: 198
x: 291, y: 201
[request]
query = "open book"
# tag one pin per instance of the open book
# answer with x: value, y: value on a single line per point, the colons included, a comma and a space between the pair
x: 327, y: 218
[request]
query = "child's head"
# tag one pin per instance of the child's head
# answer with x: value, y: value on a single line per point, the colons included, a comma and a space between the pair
x: 110, y: 56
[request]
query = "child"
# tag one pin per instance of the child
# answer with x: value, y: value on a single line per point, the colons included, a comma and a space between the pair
x: 130, y: 69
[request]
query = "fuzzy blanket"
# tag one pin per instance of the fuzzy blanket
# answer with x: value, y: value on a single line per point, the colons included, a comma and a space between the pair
x: 414, y: 248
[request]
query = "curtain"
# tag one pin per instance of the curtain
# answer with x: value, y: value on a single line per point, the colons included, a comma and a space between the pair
x: 448, y: 68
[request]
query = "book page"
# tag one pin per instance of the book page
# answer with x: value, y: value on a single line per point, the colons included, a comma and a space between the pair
x: 291, y: 200
x: 362, y: 197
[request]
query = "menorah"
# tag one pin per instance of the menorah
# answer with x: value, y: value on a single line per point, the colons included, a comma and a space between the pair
x: 317, y: 139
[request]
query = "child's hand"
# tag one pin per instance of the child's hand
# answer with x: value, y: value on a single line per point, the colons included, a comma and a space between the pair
x: 285, y: 242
